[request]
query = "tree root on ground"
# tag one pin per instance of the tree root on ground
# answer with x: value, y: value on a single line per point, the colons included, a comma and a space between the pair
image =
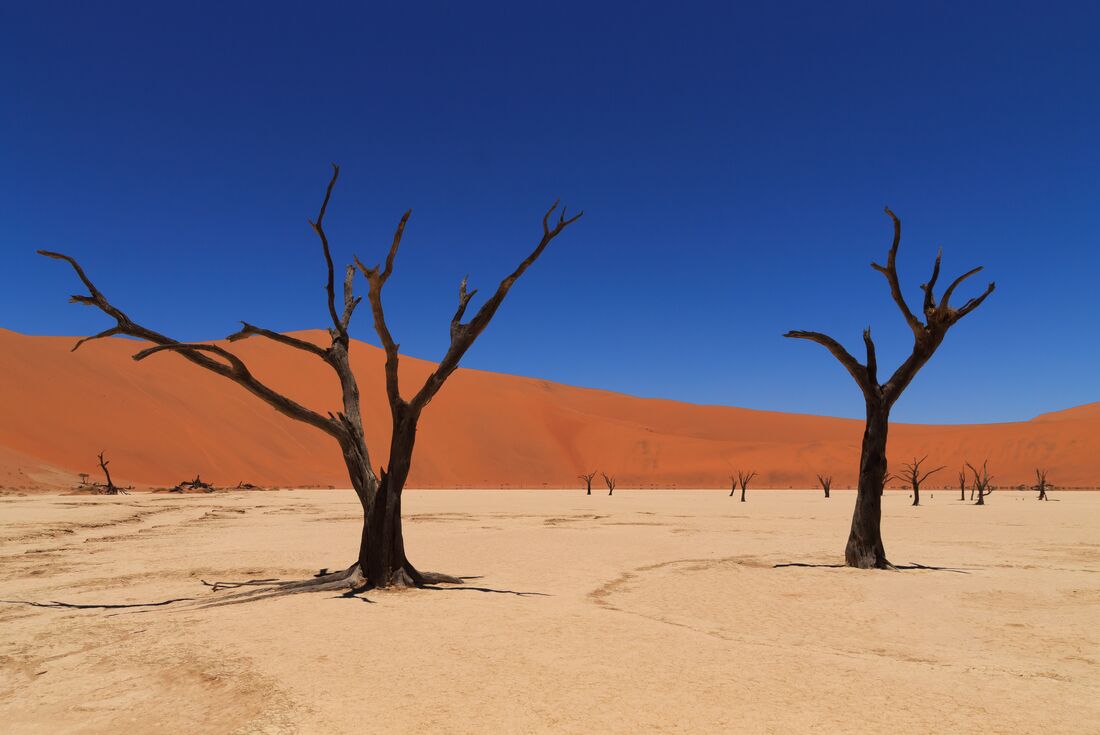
x: 350, y: 583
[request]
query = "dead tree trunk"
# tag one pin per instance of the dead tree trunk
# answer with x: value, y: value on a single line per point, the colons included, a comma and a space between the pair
x: 864, y: 548
x: 911, y: 473
x: 110, y: 488
x: 587, y: 482
x: 733, y: 485
x: 743, y: 480
x: 962, y: 484
x: 981, y: 482
x: 381, y: 561
x: 1041, y: 486
x: 610, y: 482
x: 826, y: 483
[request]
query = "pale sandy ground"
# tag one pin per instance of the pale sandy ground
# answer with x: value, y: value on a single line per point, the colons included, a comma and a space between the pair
x: 655, y: 612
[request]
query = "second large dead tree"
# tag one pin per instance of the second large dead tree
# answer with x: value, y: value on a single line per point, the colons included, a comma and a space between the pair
x: 864, y: 548
x: 381, y: 561
x: 911, y: 473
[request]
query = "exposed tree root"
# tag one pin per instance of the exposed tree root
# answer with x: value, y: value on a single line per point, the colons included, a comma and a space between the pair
x: 349, y: 583
x: 79, y: 606
x: 890, y: 567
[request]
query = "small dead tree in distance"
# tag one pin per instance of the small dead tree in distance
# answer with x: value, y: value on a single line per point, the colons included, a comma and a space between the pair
x: 981, y: 481
x: 610, y: 482
x: 110, y: 488
x: 962, y: 484
x: 826, y: 483
x: 587, y: 481
x: 864, y: 548
x: 912, y: 475
x: 381, y: 561
x: 743, y: 480
x: 733, y: 485
x: 1041, y: 486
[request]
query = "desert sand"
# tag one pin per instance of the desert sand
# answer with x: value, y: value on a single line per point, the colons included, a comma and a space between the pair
x: 164, y: 420
x: 649, y: 611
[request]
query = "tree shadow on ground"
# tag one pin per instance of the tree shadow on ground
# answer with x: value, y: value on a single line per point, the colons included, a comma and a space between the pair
x: 897, y: 567
x: 264, y: 589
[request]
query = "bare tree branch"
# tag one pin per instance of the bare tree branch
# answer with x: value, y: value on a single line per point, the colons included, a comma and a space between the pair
x: 376, y: 279
x: 858, y: 372
x: 234, y: 370
x: 318, y: 227
x: 464, y: 297
x: 248, y: 330
x: 891, y: 273
x: 974, y: 303
x: 928, y: 288
x: 105, y: 333
x: 945, y: 301
x: 872, y: 361
x: 350, y: 299
x: 463, y: 335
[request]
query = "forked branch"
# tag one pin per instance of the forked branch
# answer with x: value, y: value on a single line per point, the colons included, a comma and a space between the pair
x: 229, y: 365
x: 462, y: 334
x: 927, y: 335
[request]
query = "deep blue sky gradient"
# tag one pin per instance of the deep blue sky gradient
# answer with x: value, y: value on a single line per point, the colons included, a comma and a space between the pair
x: 732, y: 160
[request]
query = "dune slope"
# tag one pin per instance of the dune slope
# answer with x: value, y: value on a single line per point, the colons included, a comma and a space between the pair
x: 164, y: 420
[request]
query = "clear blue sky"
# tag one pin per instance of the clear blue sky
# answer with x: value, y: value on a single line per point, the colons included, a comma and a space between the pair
x: 733, y: 163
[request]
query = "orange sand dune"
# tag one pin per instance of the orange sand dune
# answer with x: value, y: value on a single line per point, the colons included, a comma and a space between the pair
x: 164, y: 420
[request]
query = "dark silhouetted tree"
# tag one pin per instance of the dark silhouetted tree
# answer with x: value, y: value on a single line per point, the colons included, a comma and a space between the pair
x: 587, y: 481
x: 911, y: 473
x: 826, y: 483
x: 109, y: 488
x: 381, y: 561
x: 610, y: 482
x: 981, y: 482
x: 962, y: 484
x: 1041, y: 485
x: 743, y: 480
x: 864, y: 548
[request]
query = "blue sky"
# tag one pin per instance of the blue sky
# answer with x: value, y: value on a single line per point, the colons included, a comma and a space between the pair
x: 732, y: 160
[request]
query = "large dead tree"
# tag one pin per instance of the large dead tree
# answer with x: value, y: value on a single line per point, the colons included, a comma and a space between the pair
x: 743, y: 480
x: 981, y: 482
x: 864, y: 548
x: 1041, y: 485
x: 587, y: 481
x: 826, y: 483
x: 381, y: 561
x: 610, y: 482
x: 911, y: 473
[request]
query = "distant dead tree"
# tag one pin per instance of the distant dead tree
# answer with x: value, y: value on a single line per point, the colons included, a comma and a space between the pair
x: 109, y: 488
x: 911, y: 474
x: 826, y: 483
x: 962, y: 484
x: 981, y: 482
x: 733, y: 485
x: 196, y: 484
x: 84, y: 478
x: 381, y: 561
x: 1041, y: 485
x: 743, y: 480
x: 864, y: 548
x: 242, y: 485
x: 587, y: 481
x: 610, y: 482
